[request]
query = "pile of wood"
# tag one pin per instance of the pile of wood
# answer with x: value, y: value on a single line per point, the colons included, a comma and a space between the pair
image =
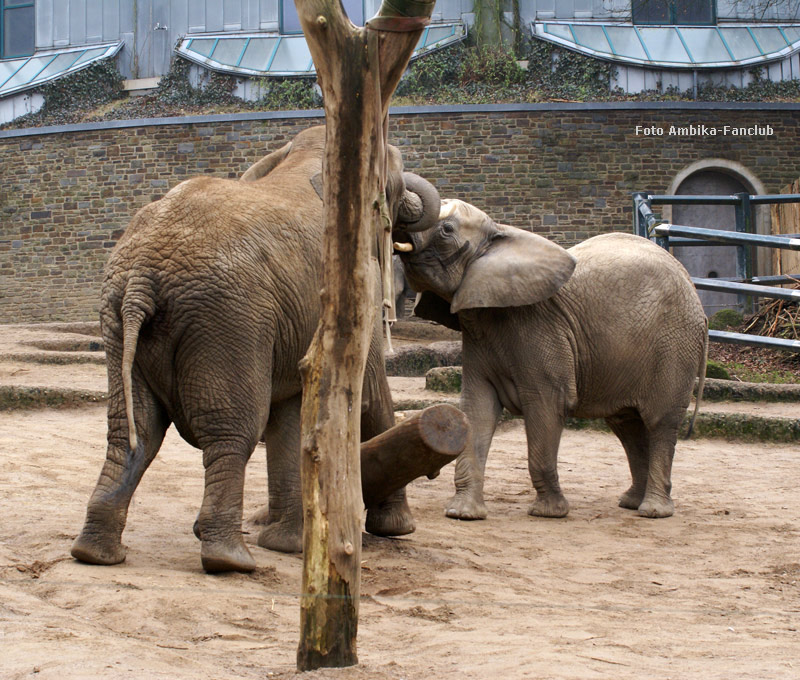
x: 777, y: 319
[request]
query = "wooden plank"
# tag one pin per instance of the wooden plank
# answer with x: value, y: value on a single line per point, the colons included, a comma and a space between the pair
x: 44, y: 24
x: 77, y: 22
x: 215, y: 17
x: 786, y: 220
x: 197, y: 16
x: 94, y: 21
x: 111, y: 21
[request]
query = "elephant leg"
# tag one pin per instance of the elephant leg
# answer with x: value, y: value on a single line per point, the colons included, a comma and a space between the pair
x: 662, y: 438
x: 283, y: 520
x: 225, y: 391
x: 543, y: 427
x: 631, y: 432
x: 480, y: 404
x: 391, y: 516
x: 219, y: 522
x: 100, y: 541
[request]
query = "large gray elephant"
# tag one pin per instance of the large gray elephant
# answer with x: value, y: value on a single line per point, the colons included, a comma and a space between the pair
x: 611, y: 328
x: 210, y: 300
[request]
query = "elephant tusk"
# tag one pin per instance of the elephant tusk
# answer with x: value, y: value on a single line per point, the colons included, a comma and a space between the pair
x: 403, y: 247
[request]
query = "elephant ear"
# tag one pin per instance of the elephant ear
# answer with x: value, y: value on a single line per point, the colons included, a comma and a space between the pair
x: 433, y: 308
x: 266, y: 165
x: 518, y: 268
x: 316, y: 182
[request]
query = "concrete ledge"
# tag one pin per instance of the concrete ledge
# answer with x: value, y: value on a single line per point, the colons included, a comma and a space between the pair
x: 731, y: 390
x: 416, y: 360
x: 59, y: 358
x: 738, y: 426
x: 449, y: 109
x: 14, y: 398
x: 709, y: 425
x: 448, y: 379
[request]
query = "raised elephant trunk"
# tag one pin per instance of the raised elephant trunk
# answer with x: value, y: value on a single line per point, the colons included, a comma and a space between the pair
x: 418, y: 208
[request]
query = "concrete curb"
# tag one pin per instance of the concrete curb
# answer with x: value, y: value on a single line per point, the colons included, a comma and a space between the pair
x: 15, y: 398
x: 709, y: 424
x: 447, y: 378
x: 739, y: 426
x: 439, y: 363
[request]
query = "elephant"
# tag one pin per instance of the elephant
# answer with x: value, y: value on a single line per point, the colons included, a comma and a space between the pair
x: 209, y: 302
x: 401, y: 287
x: 611, y: 328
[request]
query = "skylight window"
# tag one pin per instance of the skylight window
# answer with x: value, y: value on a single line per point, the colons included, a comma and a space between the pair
x: 722, y: 46
x: 284, y: 55
x: 21, y: 74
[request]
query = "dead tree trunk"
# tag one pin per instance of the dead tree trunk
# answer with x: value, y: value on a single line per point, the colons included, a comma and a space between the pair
x: 358, y: 70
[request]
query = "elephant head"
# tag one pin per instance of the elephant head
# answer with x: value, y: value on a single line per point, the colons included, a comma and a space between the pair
x: 466, y: 261
x: 413, y: 201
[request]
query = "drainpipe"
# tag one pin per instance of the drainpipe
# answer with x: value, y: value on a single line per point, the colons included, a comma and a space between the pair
x: 135, y: 63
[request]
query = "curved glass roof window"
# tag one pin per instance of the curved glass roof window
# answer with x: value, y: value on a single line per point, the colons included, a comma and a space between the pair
x: 675, y: 46
x: 258, y: 54
x: 24, y: 73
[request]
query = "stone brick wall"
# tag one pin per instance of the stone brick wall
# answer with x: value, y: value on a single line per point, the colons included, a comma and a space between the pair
x: 565, y: 171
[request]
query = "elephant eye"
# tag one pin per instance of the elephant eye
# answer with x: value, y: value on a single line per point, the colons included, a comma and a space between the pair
x: 448, y: 228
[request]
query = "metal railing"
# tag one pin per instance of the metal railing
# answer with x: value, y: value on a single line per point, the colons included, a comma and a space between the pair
x: 745, y: 286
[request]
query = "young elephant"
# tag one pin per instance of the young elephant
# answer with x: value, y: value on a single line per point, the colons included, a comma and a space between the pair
x: 612, y: 328
x: 210, y: 301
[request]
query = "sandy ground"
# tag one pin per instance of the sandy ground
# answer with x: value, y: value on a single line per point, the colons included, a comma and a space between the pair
x: 712, y: 592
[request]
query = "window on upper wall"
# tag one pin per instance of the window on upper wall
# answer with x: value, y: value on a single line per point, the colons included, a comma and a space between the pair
x: 678, y: 12
x: 16, y: 28
x: 290, y: 22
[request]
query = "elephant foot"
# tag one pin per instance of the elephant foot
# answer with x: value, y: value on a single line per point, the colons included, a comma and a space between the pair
x: 631, y: 499
x: 260, y: 516
x: 552, y: 505
x: 282, y: 537
x: 231, y: 555
x: 657, y: 507
x: 98, y: 550
x: 392, y: 518
x: 466, y: 506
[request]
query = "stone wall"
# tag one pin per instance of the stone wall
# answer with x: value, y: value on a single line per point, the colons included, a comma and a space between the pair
x: 564, y: 170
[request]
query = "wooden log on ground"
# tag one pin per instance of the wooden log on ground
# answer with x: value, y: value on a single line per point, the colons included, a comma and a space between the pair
x: 420, y: 445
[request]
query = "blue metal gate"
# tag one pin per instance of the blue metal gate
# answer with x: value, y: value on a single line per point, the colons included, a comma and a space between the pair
x: 647, y: 224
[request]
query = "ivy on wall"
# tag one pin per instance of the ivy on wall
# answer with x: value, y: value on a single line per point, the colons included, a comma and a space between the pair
x: 95, y: 93
x: 67, y: 99
x: 485, y: 73
x: 467, y: 73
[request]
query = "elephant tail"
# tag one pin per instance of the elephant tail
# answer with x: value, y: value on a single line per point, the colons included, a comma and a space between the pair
x: 701, y: 381
x: 137, y: 307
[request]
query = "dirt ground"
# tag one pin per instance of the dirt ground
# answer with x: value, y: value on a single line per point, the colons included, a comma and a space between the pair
x: 712, y: 592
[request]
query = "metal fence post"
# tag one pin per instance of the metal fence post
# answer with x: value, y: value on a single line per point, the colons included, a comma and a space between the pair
x: 639, y: 228
x: 744, y: 264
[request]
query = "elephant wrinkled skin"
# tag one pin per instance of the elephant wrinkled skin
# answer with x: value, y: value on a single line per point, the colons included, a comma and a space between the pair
x: 611, y: 328
x: 210, y: 300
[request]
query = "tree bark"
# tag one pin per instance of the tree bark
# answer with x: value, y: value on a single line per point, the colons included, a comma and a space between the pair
x: 358, y: 70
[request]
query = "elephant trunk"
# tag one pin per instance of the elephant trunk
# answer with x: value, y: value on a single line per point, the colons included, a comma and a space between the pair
x: 418, y: 209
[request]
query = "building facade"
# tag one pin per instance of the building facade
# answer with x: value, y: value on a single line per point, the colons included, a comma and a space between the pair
x: 654, y: 44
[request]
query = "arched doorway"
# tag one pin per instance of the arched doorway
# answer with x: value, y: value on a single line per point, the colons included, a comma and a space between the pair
x: 721, y: 178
